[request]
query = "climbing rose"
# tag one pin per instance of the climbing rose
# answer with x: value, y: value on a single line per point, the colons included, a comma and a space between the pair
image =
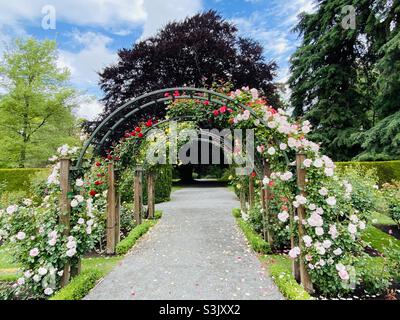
x: 271, y: 151
x: 307, y: 163
x: 92, y: 193
x: 21, y: 235
x: 318, y: 163
x: 215, y: 113
x: 12, y: 209
x: 352, y: 228
x: 79, y: 183
x: 42, y: 271
x: 283, y: 216
x: 48, y: 291
x: 319, y: 231
x: 283, y: 146
x: 337, y: 252
x: 331, y: 201
x: 21, y: 281
x: 74, y: 203
x: 323, y: 191
x: 328, y: 172
x: 307, y: 241
x: 294, y: 253
x: 34, y: 252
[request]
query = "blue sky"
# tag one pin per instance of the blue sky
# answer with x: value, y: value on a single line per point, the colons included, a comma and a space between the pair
x: 90, y: 32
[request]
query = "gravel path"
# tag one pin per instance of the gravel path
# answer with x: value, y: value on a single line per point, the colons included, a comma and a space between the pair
x: 196, y: 251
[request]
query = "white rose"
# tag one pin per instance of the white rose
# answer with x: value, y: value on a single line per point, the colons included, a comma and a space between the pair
x: 21, y: 235
x: 74, y: 203
x: 283, y: 216
x: 331, y: 201
x: 271, y: 151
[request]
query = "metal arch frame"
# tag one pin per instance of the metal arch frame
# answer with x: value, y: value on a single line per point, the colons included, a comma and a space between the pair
x: 218, y: 143
x: 223, y: 100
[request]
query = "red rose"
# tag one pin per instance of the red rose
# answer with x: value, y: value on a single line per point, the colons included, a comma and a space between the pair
x: 223, y: 109
x: 140, y: 135
x: 109, y: 157
x: 98, y: 183
x: 149, y: 123
x: 176, y: 94
x: 98, y: 164
x: 215, y: 113
x: 127, y: 135
x: 254, y: 174
x: 138, y: 129
x: 166, y: 94
x: 271, y: 183
x: 92, y: 193
x: 206, y: 103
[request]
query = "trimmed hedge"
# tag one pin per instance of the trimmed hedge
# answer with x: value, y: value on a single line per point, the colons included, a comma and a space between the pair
x: 386, y: 170
x: 79, y: 286
x: 125, y: 245
x: 284, y: 279
x: 163, y: 185
x: 257, y: 243
x: 20, y: 179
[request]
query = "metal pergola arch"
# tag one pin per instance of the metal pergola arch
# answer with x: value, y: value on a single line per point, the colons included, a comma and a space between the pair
x: 194, y: 93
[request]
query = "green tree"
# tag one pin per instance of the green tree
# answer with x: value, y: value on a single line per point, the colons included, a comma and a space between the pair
x: 36, y: 109
x: 344, y: 80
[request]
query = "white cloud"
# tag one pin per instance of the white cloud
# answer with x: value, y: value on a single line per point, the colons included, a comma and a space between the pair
x: 106, y: 13
x: 88, y: 108
x: 92, y: 58
x: 159, y: 12
x: 119, y: 16
x: 274, y: 41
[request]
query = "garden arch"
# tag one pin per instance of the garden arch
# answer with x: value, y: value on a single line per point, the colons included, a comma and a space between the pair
x: 157, y: 99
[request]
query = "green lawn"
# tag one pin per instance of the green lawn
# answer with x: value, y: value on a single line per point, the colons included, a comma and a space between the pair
x: 8, y: 269
x: 380, y: 240
x: 379, y: 218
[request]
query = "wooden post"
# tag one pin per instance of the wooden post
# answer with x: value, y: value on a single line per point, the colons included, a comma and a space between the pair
x: 251, y: 192
x: 138, y: 195
x: 117, y: 218
x: 111, y: 210
x: 295, y: 262
x: 267, y: 173
x: 301, y: 183
x: 151, y: 194
x: 65, y: 207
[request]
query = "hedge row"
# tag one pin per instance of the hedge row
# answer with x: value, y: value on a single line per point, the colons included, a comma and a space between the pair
x: 79, y: 286
x: 20, y: 179
x: 125, y: 245
x: 285, y: 281
x: 257, y: 243
x: 386, y: 170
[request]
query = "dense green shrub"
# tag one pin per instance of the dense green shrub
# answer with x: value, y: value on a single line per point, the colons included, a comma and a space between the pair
x: 20, y: 179
x: 386, y: 170
x: 79, y: 286
x: 163, y: 185
x: 125, y: 245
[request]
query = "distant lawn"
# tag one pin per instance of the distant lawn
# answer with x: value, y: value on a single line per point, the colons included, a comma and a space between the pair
x: 380, y: 240
x: 379, y: 218
x: 8, y: 269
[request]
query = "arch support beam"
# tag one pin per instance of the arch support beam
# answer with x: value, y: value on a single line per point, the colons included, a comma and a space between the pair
x: 138, y: 194
x: 113, y: 212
